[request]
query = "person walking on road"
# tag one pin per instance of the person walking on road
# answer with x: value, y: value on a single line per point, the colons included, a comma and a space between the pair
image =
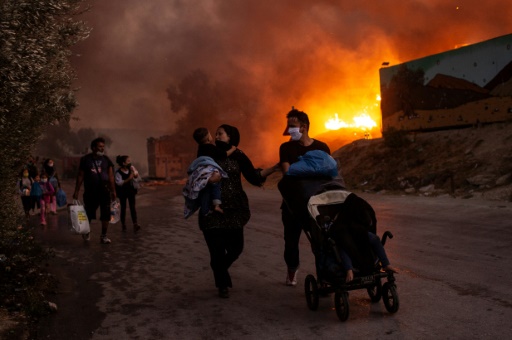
x: 33, y: 171
x: 47, y: 191
x: 96, y: 172
x: 125, y: 178
x: 53, y: 178
x: 224, y: 233
x: 25, y: 185
x: 289, y: 152
x: 31, y: 166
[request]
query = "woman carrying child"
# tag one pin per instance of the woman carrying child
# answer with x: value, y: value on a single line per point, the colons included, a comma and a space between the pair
x: 224, y: 232
x: 202, y: 190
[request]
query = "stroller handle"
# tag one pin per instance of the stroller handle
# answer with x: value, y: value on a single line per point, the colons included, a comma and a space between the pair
x: 385, y: 236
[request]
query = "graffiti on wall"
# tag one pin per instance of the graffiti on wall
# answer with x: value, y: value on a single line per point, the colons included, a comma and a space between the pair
x: 463, y: 87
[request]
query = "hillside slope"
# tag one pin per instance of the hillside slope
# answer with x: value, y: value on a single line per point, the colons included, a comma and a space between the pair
x: 472, y: 162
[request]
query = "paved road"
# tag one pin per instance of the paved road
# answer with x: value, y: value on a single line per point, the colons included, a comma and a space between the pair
x: 454, y: 256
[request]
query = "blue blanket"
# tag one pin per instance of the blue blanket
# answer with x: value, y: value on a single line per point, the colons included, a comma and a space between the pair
x: 314, y: 163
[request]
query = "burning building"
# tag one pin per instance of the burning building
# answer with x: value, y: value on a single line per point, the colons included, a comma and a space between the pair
x: 462, y: 87
x: 164, y: 161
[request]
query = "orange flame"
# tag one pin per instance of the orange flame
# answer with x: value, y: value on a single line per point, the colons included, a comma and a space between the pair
x: 362, y: 121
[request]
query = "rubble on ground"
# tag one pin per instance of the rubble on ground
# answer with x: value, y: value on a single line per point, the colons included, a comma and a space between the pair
x: 465, y: 163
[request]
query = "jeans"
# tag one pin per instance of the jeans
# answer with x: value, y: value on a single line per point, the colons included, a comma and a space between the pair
x: 210, y: 194
x: 377, y: 248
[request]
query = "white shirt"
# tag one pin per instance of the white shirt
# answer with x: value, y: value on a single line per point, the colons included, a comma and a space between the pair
x: 119, y: 179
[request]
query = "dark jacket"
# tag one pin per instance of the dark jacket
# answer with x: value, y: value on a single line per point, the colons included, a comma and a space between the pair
x: 126, y: 189
x: 234, y: 199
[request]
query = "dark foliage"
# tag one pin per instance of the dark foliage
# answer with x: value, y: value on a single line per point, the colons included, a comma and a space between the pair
x: 35, y: 93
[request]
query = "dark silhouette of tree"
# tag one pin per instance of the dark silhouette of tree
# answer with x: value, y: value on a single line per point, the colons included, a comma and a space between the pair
x: 59, y: 140
x: 199, y: 101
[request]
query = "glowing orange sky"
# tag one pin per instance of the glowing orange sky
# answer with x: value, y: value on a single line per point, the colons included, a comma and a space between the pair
x: 320, y: 56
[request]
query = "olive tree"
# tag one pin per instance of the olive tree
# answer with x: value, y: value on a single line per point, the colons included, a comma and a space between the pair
x: 35, y: 82
x: 35, y: 92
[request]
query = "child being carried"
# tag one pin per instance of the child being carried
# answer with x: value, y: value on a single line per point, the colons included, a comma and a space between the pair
x: 203, y: 185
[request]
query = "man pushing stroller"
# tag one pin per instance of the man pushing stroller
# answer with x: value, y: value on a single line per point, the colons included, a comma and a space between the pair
x: 306, y: 164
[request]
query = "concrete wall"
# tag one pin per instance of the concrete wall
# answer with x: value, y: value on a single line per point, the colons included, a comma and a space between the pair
x: 462, y: 87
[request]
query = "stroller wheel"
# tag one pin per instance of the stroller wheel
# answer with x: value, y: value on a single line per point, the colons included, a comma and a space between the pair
x: 341, y: 304
x: 311, y: 290
x: 390, y: 297
x: 375, y: 292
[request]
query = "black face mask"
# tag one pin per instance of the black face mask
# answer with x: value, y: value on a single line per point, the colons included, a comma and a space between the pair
x: 222, y: 145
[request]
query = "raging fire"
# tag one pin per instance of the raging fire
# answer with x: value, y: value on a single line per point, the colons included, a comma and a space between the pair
x: 362, y: 121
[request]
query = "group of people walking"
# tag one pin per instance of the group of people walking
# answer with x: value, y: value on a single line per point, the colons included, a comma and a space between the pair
x: 224, y: 213
x: 214, y: 187
x: 103, y: 185
x: 39, y: 188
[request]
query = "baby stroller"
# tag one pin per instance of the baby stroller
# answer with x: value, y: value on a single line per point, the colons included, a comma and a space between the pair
x: 342, y: 220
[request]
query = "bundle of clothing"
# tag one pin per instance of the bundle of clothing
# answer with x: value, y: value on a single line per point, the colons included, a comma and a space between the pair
x: 199, y: 173
x: 305, y: 178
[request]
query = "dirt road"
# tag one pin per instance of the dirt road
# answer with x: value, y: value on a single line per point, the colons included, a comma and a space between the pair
x: 454, y: 258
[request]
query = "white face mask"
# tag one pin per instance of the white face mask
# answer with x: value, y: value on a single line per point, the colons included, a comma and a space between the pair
x: 44, y: 180
x: 99, y: 153
x: 295, y: 133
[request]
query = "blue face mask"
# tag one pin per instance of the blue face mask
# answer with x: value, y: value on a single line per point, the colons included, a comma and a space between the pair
x: 295, y: 133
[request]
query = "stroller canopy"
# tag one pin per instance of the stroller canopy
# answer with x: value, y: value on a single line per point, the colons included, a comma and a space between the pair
x: 326, y: 198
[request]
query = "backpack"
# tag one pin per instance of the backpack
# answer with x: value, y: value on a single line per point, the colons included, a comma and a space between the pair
x: 54, y: 182
x: 36, y: 190
x: 61, y: 198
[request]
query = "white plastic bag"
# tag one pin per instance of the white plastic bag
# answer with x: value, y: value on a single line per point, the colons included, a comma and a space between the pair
x: 136, y: 184
x: 78, y: 218
x: 115, y: 212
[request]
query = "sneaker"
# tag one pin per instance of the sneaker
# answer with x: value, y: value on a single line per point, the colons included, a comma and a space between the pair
x: 105, y: 240
x: 291, y: 278
x: 86, y: 237
x: 136, y: 227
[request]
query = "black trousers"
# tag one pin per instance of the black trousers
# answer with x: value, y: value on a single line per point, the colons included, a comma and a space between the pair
x: 292, y: 230
x: 225, y: 246
x: 133, y: 211
x: 28, y: 203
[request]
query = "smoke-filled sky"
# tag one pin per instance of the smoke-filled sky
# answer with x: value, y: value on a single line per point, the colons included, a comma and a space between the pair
x: 320, y: 56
